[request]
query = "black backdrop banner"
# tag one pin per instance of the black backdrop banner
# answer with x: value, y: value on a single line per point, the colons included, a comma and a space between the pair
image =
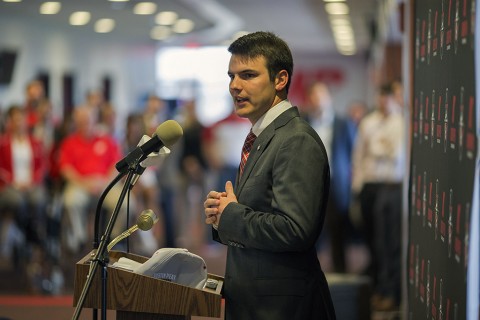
x: 443, y: 157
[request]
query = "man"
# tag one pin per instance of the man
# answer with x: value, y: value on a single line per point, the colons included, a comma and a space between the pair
x: 87, y: 164
x: 378, y: 171
x: 272, y: 218
x: 338, y: 135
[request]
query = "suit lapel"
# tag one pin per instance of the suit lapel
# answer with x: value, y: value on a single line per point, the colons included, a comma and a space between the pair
x: 258, y: 148
x: 260, y: 145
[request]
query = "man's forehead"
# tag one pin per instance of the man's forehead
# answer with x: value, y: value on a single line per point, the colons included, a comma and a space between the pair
x: 250, y: 61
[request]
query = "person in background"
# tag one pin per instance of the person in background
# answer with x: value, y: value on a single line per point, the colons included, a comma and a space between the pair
x: 378, y: 170
x: 398, y: 93
x: 23, y: 164
x: 192, y: 173
x: 146, y: 190
x: 153, y: 113
x: 356, y: 111
x: 103, y: 113
x: 221, y: 142
x: 44, y: 127
x: 338, y: 135
x: 95, y: 101
x: 55, y: 184
x: 106, y: 120
x: 272, y: 217
x: 34, y: 96
x: 87, y: 165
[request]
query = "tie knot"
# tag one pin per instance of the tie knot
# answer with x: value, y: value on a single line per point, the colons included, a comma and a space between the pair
x: 249, y: 140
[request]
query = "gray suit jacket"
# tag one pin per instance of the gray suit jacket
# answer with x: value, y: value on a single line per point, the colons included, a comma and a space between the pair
x: 272, y: 267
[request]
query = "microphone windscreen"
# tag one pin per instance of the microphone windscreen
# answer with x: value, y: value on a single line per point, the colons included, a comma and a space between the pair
x: 169, y: 132
x: 146, y: 220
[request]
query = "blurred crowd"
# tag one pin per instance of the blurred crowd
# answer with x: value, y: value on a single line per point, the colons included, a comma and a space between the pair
x: 53, y: 172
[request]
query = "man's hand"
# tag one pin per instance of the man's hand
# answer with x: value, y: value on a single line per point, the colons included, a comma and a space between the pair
x: 216, y: 203
x: 227, y: 197
x: 211, y: 205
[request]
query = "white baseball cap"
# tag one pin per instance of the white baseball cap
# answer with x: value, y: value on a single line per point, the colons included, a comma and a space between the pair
x: 176, y: 265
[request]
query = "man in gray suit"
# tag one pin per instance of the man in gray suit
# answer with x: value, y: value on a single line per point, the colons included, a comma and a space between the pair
x: 273, y: 216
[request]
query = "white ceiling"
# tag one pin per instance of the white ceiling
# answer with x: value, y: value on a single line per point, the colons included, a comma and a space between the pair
x: 302, y: 23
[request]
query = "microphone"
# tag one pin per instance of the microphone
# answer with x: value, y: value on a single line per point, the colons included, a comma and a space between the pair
x: 145, y: 221
x: 153, y: 159
x: 166, y: 135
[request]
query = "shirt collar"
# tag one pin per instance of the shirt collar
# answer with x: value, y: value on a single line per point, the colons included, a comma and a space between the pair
x: 270, y: 116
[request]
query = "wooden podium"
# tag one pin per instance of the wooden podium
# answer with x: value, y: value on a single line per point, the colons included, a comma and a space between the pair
x: 136, y: 296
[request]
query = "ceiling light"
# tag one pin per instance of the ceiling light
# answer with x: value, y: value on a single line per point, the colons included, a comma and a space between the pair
x: 347, y: 52
x: 104, y: 25
x: 50, y: 7
x: 346, y: 45
x: 166, y: 18
x: 339, y: 21
x: 183, y: 26
x: 160, y: 32
x: 333, y: 0
x: 342, y: 29
x: 336, y: 8
x: 145, y: 8
x: 346, y: 49
x: 343, y: 37
x: 79, y: 18
x: 12, y: 0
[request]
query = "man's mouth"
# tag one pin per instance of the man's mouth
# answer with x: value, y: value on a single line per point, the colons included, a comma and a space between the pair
x: 240, y: 99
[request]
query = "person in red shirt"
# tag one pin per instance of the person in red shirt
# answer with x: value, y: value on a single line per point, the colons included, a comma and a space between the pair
x: 22, y: 172
x: 87, y: 164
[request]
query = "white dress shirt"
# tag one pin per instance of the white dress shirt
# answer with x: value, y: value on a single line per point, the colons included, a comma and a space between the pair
x: 379, y: 155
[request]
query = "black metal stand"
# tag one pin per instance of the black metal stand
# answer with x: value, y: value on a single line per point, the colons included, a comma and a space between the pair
x: 130, y: 164
x: 101, y: 255
x: 104, y: 287
x: 98, y: 214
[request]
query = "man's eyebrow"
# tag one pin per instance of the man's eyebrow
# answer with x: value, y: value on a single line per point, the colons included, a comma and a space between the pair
x: 244, y: 71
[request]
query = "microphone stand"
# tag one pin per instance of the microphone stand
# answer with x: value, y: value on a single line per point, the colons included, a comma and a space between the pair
x: 99, y: 208
x: 100, y: 257
x: 98, y: 212
x: 130, y: 164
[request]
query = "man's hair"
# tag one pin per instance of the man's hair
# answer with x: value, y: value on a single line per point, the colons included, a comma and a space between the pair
x: 385, y: 89
x: 265, y: 44
x: 15, y: 108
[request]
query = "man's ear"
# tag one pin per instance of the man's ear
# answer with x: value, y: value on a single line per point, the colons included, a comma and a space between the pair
x: 281, y: 80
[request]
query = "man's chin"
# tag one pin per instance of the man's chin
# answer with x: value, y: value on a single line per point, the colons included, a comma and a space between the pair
x: 241, y: 112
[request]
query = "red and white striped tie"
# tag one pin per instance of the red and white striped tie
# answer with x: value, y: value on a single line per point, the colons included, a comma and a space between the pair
x: 247, y: 146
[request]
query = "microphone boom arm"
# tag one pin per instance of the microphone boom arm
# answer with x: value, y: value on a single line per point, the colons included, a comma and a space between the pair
x: 122, y: 236
x: 145, y: 222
